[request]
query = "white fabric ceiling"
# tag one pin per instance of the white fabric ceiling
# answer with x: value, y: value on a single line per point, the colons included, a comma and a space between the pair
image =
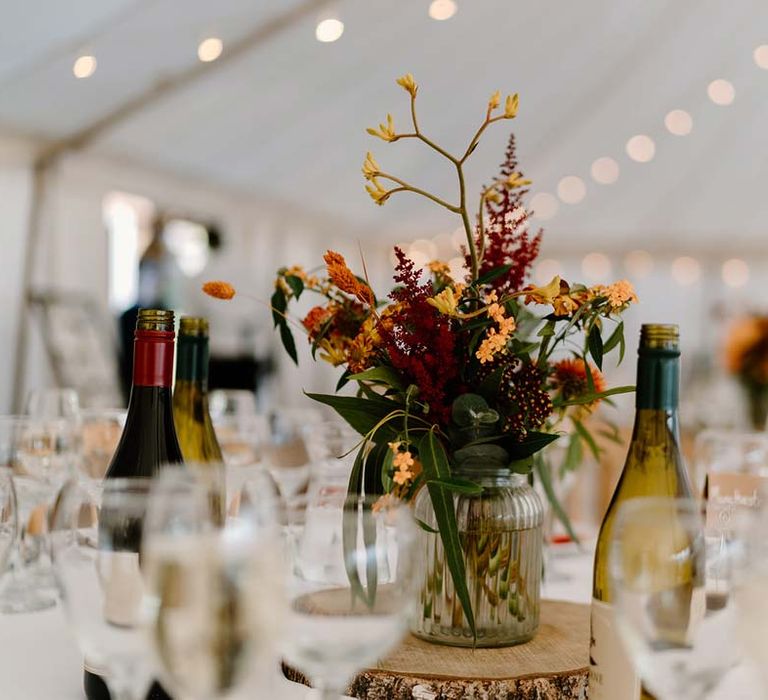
x: 287, y: 119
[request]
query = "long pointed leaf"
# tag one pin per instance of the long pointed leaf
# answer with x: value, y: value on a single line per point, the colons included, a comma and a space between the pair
x: 435, y: 464
x: 542, y: 470
x: 349, y: 527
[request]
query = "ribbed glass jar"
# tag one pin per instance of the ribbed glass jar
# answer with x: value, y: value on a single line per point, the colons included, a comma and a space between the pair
x: 500, y: 532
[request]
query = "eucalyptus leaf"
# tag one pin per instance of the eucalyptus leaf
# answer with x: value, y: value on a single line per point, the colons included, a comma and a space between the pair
x: 466, y: 408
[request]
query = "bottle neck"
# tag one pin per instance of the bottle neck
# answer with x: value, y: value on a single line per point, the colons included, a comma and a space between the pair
x: 658, y: 388
x: 192, y: 360
x: 153, y: 358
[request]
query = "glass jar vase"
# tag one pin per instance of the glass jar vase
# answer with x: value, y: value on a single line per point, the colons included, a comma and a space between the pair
x: 501, y: 536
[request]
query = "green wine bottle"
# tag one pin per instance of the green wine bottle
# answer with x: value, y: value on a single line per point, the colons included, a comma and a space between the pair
x: 190, y: 397
x: 654, y: 467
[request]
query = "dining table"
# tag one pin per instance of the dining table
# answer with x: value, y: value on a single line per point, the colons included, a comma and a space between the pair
x: 39, y: 657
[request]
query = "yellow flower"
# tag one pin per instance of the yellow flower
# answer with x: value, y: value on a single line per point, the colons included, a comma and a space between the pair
x: 446, y: 302
x: 408, y: 83
x: 516, y: 180
x: 495, y: 101
x: 370, y: 167
x: 385, y: 131
x: 377, y: 192
x: 492, y: 195
x: 511, y: 105
x: 332, y: 352
x: 543, y: 295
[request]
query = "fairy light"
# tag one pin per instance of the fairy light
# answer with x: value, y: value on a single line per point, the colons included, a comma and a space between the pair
x: 721, y: 92
x: 686, y: 271
x: 442, y: 9
x: 678, y: 122
x: 735, y: 272
x: 638, y: 263
x: 761, y: 56
x: 84, y: 67
x: 329, y: 30
x: 641, y: 148
x: 571, y: 189
x: 605, y: 171
x: 546, y: 269
x: 544, y: 206
x: 210, y: 49
x: 596, y: 267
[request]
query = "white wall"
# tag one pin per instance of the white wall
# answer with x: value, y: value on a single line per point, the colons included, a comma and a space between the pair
x: 15, y: 189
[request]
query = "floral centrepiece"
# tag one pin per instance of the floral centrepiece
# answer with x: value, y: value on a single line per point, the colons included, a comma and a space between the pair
x: 746, y: 357
x: 458, y: 376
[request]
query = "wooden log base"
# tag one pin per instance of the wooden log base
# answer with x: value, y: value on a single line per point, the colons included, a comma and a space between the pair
x: 552, y: 666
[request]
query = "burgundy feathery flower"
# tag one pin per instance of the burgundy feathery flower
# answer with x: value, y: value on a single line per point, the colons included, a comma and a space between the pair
x: 508, y: 241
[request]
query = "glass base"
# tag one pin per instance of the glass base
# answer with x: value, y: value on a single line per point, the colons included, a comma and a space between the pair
x: 18, y: 597
x: 452, y: 637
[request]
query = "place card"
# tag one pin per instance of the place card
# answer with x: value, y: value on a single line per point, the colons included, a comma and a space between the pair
x: 730, y: 493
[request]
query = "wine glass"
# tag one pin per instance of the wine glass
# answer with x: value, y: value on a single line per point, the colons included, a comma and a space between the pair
x: 25, y: 446
x: 101, y: 429
x: 8, y: 520
x: 335, y: 630
x: 95, y: 539
x: 672, y: 575
x: 231, y: 403
x: 213, y: 594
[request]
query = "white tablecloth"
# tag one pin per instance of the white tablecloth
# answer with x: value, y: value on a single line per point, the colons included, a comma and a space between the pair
x: 39, y: 659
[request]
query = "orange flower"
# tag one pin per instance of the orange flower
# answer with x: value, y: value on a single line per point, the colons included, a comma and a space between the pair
x: 619, y: 294
x: 570, y: 378
x: 219, y: 290
x: 344, y: 278
x: 316, y: 319
x: 746, y: 349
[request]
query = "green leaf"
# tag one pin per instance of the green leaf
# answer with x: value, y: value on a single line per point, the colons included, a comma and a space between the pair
x: 458, y: 485
x: 590, y: 376
x: 371, y: 555
x: 532, y: 443
x: 622, y: 348
x: 343, y: 379
x: 573, y: 455
x: 387, y: 468
x: 545, y: 476
x: 547, y: 330
x: 614, y: 338
x: 435, y: 465
x: 363, y: 414
x: 595, y: 343
x: 296, y: 284
x: 288, y: 343
x: 492, y: 275
x: 586, y: 436
x: 279, y: 304
x: 590, y: 398
x: 426, y: 527
x: 466, y: 408
x: 521, y: 466
x: 381, y: 375
x: 349, y: 526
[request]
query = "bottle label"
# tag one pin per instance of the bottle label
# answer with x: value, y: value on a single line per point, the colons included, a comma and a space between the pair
x: 153, y: 358
x: 122, y: 586
x: 611, y: 674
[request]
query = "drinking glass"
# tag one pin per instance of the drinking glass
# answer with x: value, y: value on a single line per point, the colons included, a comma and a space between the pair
x: 335, y: 630
x: 26, y: 449
x: 729, y: 452
x: 672, y: 575
x: 101, y: 429
x: 95, y: 540
x: 8, y: 520
x: 213, y: 594
x: 231, y: 403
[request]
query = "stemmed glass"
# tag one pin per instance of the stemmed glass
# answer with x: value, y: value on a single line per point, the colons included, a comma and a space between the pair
x: 100, y: 433
x: 672, y: 575
x: 335, y: 630
x: 8, y: 520
x: 213, y: 594
x: 95, y: 539
x: 26, y: 446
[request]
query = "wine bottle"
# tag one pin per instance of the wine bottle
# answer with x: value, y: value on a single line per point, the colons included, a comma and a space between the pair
x: 194, y: 427
x: 149, y: 437
x: 654, y: 467
x: 190, y: 397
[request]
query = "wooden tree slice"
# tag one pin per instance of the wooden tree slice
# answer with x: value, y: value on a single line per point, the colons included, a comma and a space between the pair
x: 552, y: 666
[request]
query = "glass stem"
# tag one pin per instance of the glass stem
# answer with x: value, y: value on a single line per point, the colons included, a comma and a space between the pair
x: 330, y: 693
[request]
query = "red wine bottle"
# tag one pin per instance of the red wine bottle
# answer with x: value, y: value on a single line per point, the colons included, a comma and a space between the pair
x: 149, y: 437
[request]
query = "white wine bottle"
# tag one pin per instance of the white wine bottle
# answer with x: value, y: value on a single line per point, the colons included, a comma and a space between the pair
x: 654, y: 467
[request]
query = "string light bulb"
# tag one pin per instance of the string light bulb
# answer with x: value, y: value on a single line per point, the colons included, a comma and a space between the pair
x: 84, y: 66
x: 641, y: 148
x: 442, y: 9
x: 721, y: 92
x: 210, y: 49
x: 678, y: 122
x: 329, y: 30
